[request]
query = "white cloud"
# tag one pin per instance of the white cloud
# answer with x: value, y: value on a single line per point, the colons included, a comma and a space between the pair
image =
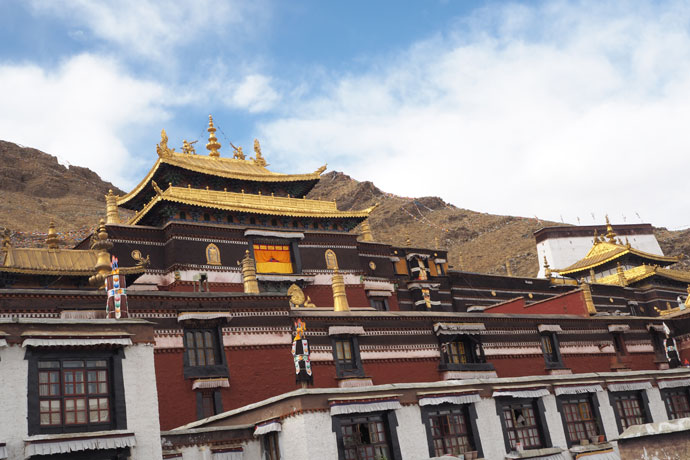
x: 559, y: 109
x: 152, y: 28
x: 81, y: 112
x: 254, y: 93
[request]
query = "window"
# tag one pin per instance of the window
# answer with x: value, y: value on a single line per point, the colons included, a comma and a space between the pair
x: 676, y: 401
x: 204, y: 355
x: 581, y: 421
x: 346, y: 357
x: 209, y: 403
x: 207, y: 216
x: 630, y: 409
x: 551, y: 349
x: 379, y: 303
x: 273, y: 258
x: 463, y: 352
x: 440, y: 269
x: 449, y: 430
x: 183, y: 215
x: 522, y: 425
x: 75, y: 392
x: 366, y: 437
x: 270, y: 445
x: 619, y: 343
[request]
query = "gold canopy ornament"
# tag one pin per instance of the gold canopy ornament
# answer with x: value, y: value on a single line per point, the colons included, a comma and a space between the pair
x: 258, y: 159
x: 610, y: 234
x: 162, y: 148
x: 251, y: 285
x: 52, y: 238
x: 366, y: 231
x: 213, y: 144
x: 102, y: 246
x: 111, y: 213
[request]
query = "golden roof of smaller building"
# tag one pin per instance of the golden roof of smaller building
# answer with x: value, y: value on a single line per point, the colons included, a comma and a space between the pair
x: 229, y: 168
x: 245, y: 202
x: 641, y: 272
x: 46, y: 261
x: 605, y: 251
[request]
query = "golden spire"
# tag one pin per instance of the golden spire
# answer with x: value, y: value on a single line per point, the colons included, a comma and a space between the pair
x: 100, y: 244
x: 366, y: 231
x: 111, y: 214
x: 52, y: 239
x: 251, y: 286
x: 339, y: 296
x: 547, y: 269
x: 213, y: 144
x: 610, y: 234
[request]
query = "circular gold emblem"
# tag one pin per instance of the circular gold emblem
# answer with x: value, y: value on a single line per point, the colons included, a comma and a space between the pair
x: 372, y: 265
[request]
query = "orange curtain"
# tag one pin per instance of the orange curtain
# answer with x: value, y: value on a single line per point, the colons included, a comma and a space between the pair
x: 272, y: 258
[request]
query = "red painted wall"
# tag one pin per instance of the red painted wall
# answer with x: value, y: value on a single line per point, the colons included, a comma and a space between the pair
x: 571, y: 303
x: 322, y: 296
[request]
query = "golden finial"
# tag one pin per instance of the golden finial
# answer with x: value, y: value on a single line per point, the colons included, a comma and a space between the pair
x: 162, y: 148
x: 596, y: 236
x: 6, y: 243
x: 52, y: 239
x: 366, y: 231
x: 547, y: 269
x: 610, y: 234
x: 213, y: 144
x: 100, y: 244
x: 111, y: 213
x: 251, y: 285
x: 627, y: 243
x: 239, y: 154
x: 258, y: 160
x: 339, y: 295
x: 321, y: 169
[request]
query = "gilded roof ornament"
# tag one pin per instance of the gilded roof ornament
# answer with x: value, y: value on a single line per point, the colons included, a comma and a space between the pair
x: 610, y: 234
x: 52, y: 238
x: 213, y: 144
x: 188, y: 148
x: 321, y: 169
x: 162, y: 148
x: 6, y: 243
x: 112, y: 215
x: 156, y: 188
x: 547, y: 269
x: 258, y: 160
x: 239, y: 154
x: 102, y: 246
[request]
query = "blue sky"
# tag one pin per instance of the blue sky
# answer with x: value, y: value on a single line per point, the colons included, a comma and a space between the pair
x: 561, y: 110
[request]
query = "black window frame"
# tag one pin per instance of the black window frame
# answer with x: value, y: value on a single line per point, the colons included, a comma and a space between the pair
x: 383, y: 301
x: 540, y: 417
x: 389, y: 420
x: 116, y: 390
x: 474, y: 351
x: 644, y: 405
x: 669, y: 392
x: 595, y: 409
x: 217, y: 403
x: 469, y: 412
x: 270, y: 446
x: 553, y: 359
x: 216, y: 370
x: 342, y: 371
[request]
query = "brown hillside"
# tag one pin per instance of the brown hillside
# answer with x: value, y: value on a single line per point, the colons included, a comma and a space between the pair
x: 34, y: 188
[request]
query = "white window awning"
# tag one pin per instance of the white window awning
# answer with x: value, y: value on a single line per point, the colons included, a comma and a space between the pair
x: 362, y: 405
x: 184, y: 316
x: 629, y: 386
x: 274, y: 234
x: 658, y: 328
x: 379, y: 293
x: 458, y: 328
x: 222, y: 382
x: 76, y: 342
x: 619, y: 327
x: 677, y: 383
x: 448, y: 398
x: 577, y: 389
x: 345, y: 330
x: 3, y: 343
x: 440, y: 261
x: 267, y: 427
x: 549, y: 328
x: 521, y: 393
x: 49, y: 444
x: 417, y: 255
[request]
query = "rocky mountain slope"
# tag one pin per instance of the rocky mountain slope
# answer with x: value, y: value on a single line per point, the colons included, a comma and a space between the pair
x: 35, y: 188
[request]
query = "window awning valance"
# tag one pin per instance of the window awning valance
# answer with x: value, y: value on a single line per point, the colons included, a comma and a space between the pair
x: 418, y: 255
x: 450, y: 398
x: 521, y: 393
x: 629, y: 386
x: 49, y: 444
x: 658, y: 328
x: 201, y: 315
x: 230, y: 453
x: 222, y: 382
x: 361, y: 405
x: 577, y: 389
x: 345, y: 330
x: 76, y: 342
x: 267, y: 427
x: 274, y: 234
x: 619, y: 327
x: 677, y: 383
x: 459, y: 328
x: 549, y: 328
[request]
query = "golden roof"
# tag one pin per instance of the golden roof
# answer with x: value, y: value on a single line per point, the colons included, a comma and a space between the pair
x: 45, y: 261
x: 635, y: 274
x: 258, y: 204
x: 230, y: 168
x: 605, y: 251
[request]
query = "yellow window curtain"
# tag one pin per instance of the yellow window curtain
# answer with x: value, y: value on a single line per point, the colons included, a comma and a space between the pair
x: 272, y: 258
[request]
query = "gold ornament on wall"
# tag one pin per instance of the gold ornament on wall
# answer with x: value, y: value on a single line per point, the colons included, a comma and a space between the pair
x: 212, y: 254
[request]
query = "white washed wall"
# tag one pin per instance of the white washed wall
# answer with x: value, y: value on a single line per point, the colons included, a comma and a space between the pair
x: 14, y: 370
